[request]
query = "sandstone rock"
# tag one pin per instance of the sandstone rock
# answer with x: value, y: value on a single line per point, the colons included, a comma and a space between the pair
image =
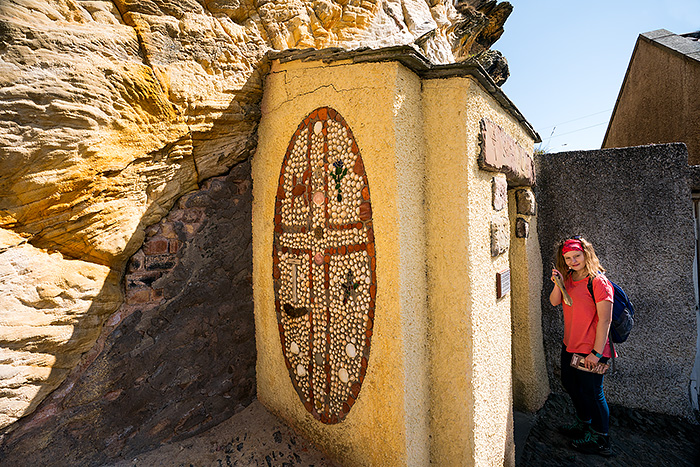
x: 499, y: 193
x: 522, y: 228
x: 497, y: 14
x: 495, y: 65
x: 51, y: 312
x: 112, y: 110
x: 477, y: 26
x: 208, y: 64
x: 91, y: 147
x: 176, y: 358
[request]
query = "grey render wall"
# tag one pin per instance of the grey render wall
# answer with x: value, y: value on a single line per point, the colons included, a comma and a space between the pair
x: 634, y: 205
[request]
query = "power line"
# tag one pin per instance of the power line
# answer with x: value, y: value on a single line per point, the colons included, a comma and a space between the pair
x: 580, y: 129
x: 574, y: 120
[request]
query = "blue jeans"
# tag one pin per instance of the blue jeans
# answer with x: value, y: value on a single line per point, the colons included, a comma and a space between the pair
x: 586, y: 391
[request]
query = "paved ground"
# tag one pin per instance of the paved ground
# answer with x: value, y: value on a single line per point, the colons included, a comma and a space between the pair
x: 254, y: 437
x: 639, y: 439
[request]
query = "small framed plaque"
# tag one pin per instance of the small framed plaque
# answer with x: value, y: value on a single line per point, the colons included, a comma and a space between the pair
x: 502, y: 283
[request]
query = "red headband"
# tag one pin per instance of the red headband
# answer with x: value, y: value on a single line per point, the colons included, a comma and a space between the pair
x: 571, y: 245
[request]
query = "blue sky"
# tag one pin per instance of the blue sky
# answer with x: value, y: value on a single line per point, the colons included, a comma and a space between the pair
x: 568, y: 59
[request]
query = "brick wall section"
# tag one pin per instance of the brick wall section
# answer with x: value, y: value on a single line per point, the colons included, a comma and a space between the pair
x: 158, y: 256
x: 177, y: 358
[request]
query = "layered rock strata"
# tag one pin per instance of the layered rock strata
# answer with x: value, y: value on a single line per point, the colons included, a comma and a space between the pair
x: 112, y: 110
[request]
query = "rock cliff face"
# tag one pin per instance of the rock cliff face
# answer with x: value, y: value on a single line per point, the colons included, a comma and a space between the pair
x: 177, y: 357
x: 112, y: 110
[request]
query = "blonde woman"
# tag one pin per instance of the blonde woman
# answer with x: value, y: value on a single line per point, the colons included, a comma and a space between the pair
x: 586, y: 327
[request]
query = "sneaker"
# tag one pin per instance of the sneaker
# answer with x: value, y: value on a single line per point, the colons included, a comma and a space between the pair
x: 593, y: 443
x: 575, y: 430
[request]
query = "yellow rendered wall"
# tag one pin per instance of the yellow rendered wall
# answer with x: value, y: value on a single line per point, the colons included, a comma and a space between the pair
x: 388, y: 425
x: 438, y: 387
x: 470, y: 330
x: 530, y: 380
x: 410, y: 195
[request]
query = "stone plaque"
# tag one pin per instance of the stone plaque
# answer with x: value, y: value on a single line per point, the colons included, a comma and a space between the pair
x: 522, y: 228
x: 499, y: 193
x: 501, y: 153
x: 324, y: 265
x: 525, y: 202
x: 500, y: 238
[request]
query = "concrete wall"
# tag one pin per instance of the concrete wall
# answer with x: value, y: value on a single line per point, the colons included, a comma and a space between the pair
x: 659, y: 100
x: 634, y: 205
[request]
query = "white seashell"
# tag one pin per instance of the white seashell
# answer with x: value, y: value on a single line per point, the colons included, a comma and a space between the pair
x: 301, y: 371
x: 294, y: 348
x: 351, y: 350
x: 318, y: 127
x: 343, y: 375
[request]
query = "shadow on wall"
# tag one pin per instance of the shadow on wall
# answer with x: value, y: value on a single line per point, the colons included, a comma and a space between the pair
x: 634, y: 205
x: 177, y: 357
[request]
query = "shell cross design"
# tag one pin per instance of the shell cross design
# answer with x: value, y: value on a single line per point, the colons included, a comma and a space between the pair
x: 324, y: 265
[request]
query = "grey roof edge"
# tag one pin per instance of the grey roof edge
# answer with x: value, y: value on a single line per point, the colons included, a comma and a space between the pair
x: 677, y: 43
x: 651, y: 35
x: 416, y: 62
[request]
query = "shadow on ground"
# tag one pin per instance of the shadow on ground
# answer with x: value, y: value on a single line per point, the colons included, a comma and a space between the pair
x: 639, y: 439
x: 254, y: 437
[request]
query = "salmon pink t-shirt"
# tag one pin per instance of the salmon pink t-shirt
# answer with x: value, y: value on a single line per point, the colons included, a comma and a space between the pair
x: 581, y: 318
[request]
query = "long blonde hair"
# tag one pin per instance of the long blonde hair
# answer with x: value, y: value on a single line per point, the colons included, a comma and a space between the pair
x: 592, y: 263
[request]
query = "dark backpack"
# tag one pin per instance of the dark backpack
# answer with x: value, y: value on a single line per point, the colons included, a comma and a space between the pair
x: 622, y: 313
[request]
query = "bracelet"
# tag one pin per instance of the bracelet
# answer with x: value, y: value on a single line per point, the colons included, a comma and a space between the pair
x: 596, y: 354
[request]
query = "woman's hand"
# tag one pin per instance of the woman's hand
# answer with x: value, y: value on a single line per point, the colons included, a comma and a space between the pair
x: 555, y: 296
x: 591, y: 361
x: 555, y: 274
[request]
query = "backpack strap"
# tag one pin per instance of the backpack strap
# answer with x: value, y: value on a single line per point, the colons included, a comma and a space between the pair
x: 590, y: 288
x: 612, y: 350
x: 612, y: 346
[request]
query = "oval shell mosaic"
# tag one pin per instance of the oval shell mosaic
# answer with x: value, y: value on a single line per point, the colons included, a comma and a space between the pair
x: 324, y: 265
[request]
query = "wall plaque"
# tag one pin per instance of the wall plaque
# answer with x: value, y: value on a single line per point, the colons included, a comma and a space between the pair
x: 501, y: 153
x: 502, y: 283
x: 324, y: 265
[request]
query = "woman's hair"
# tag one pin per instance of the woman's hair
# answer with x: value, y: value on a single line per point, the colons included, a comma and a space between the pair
x: 592, y: 263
